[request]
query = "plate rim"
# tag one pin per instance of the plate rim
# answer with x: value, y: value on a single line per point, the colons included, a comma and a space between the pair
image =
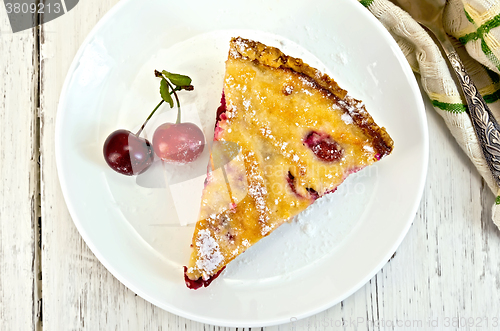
x: 249, y: 323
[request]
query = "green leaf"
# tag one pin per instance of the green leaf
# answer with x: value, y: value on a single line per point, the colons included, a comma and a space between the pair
x: 165, y: 92
x: 176, y: 79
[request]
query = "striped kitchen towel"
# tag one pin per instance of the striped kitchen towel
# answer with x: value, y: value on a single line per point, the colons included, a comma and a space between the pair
x: 475, y: 25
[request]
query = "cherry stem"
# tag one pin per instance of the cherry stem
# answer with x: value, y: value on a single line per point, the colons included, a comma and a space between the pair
x: 147, y: 119
x: 177, y: 101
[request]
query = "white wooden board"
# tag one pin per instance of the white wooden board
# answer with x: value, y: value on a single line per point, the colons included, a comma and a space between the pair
x: 445, y: 273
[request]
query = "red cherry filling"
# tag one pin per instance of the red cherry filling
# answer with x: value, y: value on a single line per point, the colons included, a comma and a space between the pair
x: 313, y: 193
x: 196, y: 284
x: 291, y: 182
x: 221, y: 116
x: 222, y: 109
x: 331, y: 191
x: 323, y: 146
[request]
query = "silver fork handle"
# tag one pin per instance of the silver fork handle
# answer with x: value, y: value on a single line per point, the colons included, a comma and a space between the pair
x: 485, y: 124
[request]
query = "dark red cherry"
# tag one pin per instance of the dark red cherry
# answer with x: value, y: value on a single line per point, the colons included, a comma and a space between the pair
x: 178, y: 143
x: 291, y: 182
x: 323, y: 146
x: 126, y: 153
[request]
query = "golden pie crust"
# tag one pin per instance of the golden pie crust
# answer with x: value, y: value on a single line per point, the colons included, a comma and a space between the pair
x: 299, y: 135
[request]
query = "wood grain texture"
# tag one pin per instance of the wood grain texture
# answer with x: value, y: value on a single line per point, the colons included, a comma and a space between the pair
x: 78, y: 292
x: 19, y: 193
x: 447, y: 266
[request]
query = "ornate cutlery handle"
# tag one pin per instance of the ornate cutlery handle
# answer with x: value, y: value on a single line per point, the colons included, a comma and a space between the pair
x: 485, y: 125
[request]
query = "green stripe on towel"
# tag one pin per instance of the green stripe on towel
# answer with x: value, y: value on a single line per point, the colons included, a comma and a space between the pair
x: 481, y: 31
x: 366, y: 3
x: 487, y: 51
x: 451, y: 107
x: 495, y: 78
x: 468, y: 16
x: 468, y: 37
x: 490, y: 98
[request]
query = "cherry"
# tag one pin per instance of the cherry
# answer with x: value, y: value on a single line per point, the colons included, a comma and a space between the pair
x: 178, y: 143
x: 323, y: 146
x: 127, y: 153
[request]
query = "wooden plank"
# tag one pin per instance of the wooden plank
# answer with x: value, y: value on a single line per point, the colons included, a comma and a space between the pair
x: 78, y: 292
x: 446, y: 267
x: 19, y: 187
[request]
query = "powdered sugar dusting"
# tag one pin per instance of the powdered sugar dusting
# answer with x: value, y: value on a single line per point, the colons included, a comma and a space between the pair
x: 283, y: 146
x: 257, y: 190
x: 246, y: 104
x: 369, y: 149
x: 209, y: 255
x: 352, y: 106
x: 306, y: 81
x: 239, y: 47
x: 346, y: 118
x: 265, y: 229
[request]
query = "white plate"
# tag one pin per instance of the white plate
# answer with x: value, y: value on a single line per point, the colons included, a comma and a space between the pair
x: 306, y: 266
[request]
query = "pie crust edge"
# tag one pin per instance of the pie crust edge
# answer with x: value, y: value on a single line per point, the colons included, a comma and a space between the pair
x: 275, y: 58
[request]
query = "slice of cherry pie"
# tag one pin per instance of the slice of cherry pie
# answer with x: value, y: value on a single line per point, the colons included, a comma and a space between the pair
x: 299, y: 135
